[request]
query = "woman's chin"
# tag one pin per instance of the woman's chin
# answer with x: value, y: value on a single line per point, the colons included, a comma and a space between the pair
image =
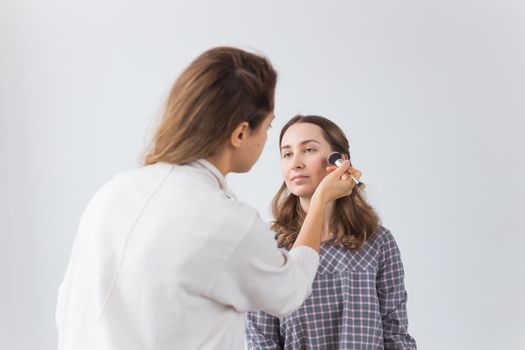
x: 302, y: 192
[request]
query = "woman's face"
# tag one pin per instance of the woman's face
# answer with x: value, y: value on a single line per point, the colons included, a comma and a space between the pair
x: 303, y: 158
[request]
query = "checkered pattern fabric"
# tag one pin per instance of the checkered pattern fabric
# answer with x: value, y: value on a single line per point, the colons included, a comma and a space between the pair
x: 358, y: 301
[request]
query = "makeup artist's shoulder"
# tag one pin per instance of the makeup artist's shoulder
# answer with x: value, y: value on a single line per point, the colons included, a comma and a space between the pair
x: 143, y: 179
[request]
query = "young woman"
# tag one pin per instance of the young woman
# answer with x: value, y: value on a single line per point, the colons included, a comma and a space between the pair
x: 165, y: 257
x: 358, y: 299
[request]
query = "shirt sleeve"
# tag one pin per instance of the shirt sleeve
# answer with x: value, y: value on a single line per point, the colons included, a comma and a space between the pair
x: 257, y: 275
x: 262, y: 331
x: 393, y: 297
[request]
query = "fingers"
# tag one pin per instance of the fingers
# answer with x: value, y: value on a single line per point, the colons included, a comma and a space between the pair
x: 345, y: 165
x: 355, y: 172
x: 344, y: 171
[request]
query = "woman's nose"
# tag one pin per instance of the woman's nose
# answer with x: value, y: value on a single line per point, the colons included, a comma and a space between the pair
x: 297, y: 162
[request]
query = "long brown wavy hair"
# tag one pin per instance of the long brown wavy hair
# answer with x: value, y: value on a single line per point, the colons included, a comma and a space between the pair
x: 221, y: 88
x: 353, y: 220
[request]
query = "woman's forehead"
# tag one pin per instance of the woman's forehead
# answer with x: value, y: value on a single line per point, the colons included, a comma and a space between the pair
x: 301, y: 132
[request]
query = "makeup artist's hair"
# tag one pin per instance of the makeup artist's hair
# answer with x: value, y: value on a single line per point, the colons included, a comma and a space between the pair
x: 220, y: 89
x: 353, y: 220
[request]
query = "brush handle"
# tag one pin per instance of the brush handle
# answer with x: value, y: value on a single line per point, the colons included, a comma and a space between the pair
x: 360, y: 185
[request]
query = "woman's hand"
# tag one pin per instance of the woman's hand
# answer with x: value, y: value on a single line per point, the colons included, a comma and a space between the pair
x: 338, y: 183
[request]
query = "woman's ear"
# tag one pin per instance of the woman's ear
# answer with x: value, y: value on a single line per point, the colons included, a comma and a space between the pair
x: 238, y: 135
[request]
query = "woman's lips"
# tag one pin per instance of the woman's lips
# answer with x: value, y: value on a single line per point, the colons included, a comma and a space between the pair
x: 299, y: 178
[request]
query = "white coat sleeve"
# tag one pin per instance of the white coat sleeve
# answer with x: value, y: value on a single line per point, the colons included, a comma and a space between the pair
x: 260, y: 276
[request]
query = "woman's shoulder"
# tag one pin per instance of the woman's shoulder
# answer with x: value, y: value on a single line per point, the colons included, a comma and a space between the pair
x: 382, y: 235
x: 336, y: 257
x: 389, y: 248
x: 382, y: 231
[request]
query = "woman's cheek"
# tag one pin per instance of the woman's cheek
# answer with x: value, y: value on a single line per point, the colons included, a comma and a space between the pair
x: 284, y: 172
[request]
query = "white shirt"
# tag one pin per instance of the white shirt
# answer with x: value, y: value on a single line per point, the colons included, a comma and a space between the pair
x: 166, y: 258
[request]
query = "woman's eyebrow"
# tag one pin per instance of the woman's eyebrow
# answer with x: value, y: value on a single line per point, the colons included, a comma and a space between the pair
x: 302, y: 143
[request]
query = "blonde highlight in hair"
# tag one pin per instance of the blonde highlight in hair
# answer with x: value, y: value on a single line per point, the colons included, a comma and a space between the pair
x: 221, y: 88
x: 353, y: 220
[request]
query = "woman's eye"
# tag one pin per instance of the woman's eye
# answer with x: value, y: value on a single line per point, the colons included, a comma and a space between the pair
x: 309, y: 149
x: 286, y: 155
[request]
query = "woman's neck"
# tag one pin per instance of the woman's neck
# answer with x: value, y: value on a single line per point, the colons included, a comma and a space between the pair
x: 326, y: 234
x: 222, y: 161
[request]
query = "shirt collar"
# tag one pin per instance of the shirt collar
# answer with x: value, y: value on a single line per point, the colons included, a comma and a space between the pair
x: 212, y: 169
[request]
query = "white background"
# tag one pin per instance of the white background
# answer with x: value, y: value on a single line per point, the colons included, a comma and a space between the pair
x: 430, y: 93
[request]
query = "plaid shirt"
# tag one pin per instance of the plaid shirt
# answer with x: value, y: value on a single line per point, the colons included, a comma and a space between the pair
x: 358, y: 301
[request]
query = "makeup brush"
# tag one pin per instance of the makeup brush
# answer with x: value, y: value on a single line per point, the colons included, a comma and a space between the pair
x: 336, y: 159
